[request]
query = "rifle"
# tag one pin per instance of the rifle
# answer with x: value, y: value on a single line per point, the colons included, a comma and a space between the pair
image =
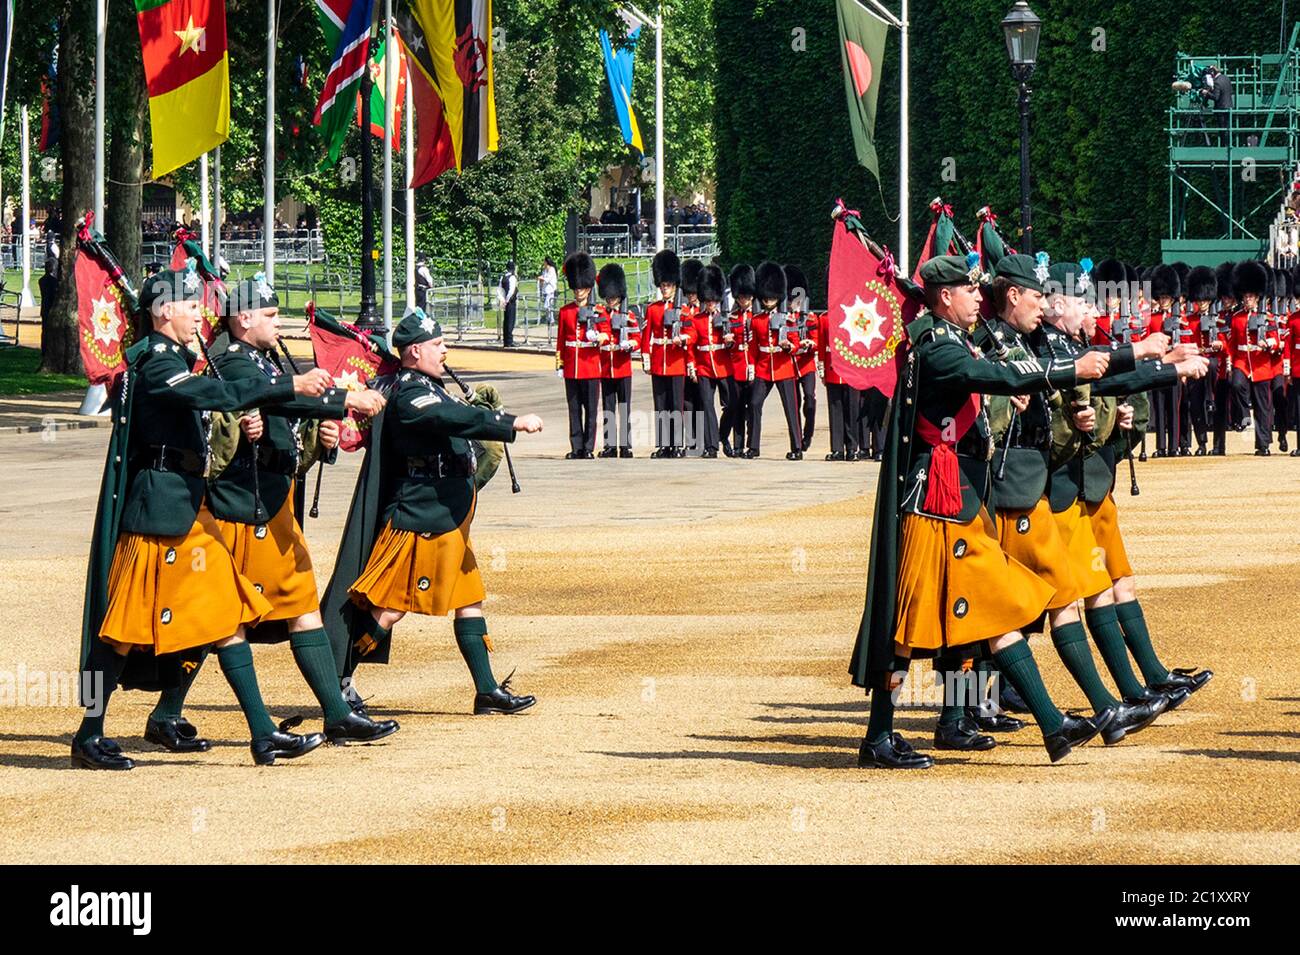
x: 505, y: 446
x: 620, y: 323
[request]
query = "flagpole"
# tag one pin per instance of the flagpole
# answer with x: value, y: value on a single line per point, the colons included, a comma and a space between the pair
x: 205, y: 210
x: 390, y: 85
x: 904, y: 158
x: 27, y: 300
x: 268, y: 156
x: 216, y: 210
x: 659, y: 129
x: 410, y: 196
x: 101, y: 29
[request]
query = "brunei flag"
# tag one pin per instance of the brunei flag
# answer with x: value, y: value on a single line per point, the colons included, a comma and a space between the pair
x: 451, y: 47
x: 188, y: 76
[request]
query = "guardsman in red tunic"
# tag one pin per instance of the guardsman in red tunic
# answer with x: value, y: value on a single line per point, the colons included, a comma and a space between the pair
x: 578, y: 356
x: 1216, y: 347
x: 805, y: 356
x: 691, y: 269
x: 1202, y: 289
x: 1166, y: 289
x: 1292, y: 367
x: 665, y: 346
x: 771, y: 351
x: 740, y: 389
x: 710, y: 350
x: 1282, y: 293
x: 619, y: 331
x: 1248, y: 347
x: 1110, y: 278
x: 841, y: 397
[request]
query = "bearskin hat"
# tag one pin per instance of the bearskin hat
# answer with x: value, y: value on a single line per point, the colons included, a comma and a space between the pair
x: 709, y: 285
x: 769, y: 282
x: 666, y: 267
x: 1131, y: 274
x: 1109, y: 270
x: 1249, y: 277
x: 579, y: 270
x: 741, y: 280
x: 1202, y: 286
x: 691, y: 269
x: 1164, y: 281
x: 795, y: 280
x: 611, y: 282
x: 1183, y: 270
x: 1279, y: 282
x: 1223, y: 274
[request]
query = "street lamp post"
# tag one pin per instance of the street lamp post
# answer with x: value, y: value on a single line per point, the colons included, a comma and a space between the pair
x: 1022, y: 29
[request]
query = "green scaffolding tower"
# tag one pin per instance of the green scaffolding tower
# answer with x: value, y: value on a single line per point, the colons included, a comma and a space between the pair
x: 1231, y: 171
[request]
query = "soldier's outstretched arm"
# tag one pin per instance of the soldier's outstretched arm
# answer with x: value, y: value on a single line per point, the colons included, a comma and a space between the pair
x: 1149, y: 373
x: 438, y: 415
x: 951, y: 363
x: 167, y: 378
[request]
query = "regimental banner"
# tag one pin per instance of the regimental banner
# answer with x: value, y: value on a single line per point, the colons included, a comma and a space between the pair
x: 187, y: 73
x: 103, y: 309
x: 868, y: 313
x: 353, y: 359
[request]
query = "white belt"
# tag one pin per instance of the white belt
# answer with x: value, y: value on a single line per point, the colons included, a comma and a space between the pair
x: 709, y: 347
x: 770, y: 350
x: 582, y: 344
x: 662, y: 341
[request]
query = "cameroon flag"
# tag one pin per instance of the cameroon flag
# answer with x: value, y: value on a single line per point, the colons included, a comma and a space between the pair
x: 188, y: 76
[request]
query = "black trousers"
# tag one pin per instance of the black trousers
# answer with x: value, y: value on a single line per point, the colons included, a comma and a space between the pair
x: 582, y: 395
x: 669, y: 393
x: 703, y: 431
x: 1261, y: 398
x: 789, y: 404
x: 1222, y: 402
x: 1200, y: 398
x: 508, y: 324
x: 842, y: 402
x: 1239, y: 391
x: 808, y: 385
x: 735, y: 411
x: 1293, y: 404
x: 871, y: 434
x: 1282, y: 419
x: 1163, y: 409
x: 616, y: 404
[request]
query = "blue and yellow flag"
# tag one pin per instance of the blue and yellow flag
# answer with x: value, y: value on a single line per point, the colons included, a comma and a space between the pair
x: 618, y: 67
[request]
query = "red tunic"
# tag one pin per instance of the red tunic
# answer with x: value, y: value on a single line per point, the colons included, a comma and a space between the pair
x: 665, y: 357
x: 575, y: 345
x: 742, y: 369
x: 771, y: 361
x: 711, y: 354
x: 1293, y: 344
x: 806, y: 360
x: 1249, y: 356
x: 829, y: 375
x: 615, y: 360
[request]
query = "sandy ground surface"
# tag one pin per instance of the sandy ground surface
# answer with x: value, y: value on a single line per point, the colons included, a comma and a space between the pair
x: 686, y: 626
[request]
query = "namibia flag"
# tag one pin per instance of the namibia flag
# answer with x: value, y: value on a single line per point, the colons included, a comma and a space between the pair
x: 188, y: 76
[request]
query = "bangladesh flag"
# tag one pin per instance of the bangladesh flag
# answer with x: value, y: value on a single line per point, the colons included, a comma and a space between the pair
x: 188, y: 77
x: 862, y: 50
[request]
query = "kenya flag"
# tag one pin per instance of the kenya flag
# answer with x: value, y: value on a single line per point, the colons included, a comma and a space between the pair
x: 862, y: 50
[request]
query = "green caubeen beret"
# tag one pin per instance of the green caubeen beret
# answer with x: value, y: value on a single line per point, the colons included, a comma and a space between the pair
x: 949, y: 270
x: 1071, y: 278
x: 172, y: 285
x: 415, y: 328
x: 250, y: 295
x: 1022, y: 270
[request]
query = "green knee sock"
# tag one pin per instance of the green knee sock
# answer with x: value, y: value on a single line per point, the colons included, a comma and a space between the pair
x: 237, y: 664
x: 1017, y: 664
x: 171, y: 702
x: 880, y: 723
x: 469, y: 637
x: 311, y: 651
x: 1134, y: 626
x: 1109, y: 638
x: 98, y: 680
x: 956, y: 693
x: 1072, y: 645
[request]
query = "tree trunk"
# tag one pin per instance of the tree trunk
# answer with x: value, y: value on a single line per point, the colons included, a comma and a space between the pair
x: 59, y: 349
x: 125, y: 187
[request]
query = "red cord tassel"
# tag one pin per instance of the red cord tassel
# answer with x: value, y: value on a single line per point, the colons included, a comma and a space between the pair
x: 943, y: 492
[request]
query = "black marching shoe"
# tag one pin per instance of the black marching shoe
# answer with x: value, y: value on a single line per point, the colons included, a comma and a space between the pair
x: 573, y: 456
x: 587, y: 455
x: 1075, y: 731
x: 892, y: 752
x: 1262, y: 452
x: 1142, y: 456
x: 794, y: 456
x: 836, y: 456
x: 728, y: 450
x: 710, y: 453
x: 501, y: 701
x: 625, y: 453
x: 1133, y: 717
x: 99, y: 752
x: 962, y: 735
x: 996, y: 723
x: 1200, y: 452
x: 661, y: 453
x: 750, y: 453
x: 1296, y: 453
x: 355, y: 728
x: 608, y: 453
x: 283, y: 744
x: 177, y: 735
x: 1282, y: 445
x: 1188, y: 679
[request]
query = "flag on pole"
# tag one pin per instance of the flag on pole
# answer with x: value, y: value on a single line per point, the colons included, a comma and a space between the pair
x: 457, y: 35
x: 618, y: 70
x: 187, y: 73
x: 434, y: 153
x: 347, y: 22
x: 377, y: 111
x: 868, y: 311
x: 862, y: 52
x: 105, y: 302
x: 6, y: 41
x: 939, y: 240
x: 49, y: 104
x: 352, y: 358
